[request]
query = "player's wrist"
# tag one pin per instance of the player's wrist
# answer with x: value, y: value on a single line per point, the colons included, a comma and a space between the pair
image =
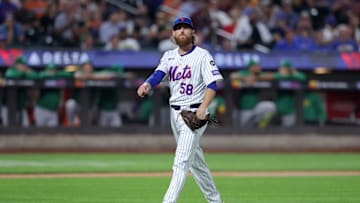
x: 146, y: 84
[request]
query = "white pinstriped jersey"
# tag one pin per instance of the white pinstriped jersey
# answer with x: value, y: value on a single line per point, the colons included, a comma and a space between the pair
x: 188, y: 74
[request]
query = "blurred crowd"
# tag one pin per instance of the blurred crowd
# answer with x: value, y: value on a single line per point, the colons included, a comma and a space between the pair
x: 264, y: 25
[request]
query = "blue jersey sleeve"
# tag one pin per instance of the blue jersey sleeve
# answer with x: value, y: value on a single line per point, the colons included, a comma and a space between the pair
x: 155, y: 78
x: 212, y: 86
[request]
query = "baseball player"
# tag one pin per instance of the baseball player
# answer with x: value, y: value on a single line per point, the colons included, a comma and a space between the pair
x: 18, y: 71
x: 253, y: 110
x: 285, y: 100
x: 49, y: 102
x: 108, y: 99
x: 192, y: 76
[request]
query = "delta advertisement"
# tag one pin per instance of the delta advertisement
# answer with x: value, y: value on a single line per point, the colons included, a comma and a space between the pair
x: 149, y: 59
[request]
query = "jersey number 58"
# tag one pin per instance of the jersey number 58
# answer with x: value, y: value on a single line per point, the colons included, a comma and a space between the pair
x: 186, y: 88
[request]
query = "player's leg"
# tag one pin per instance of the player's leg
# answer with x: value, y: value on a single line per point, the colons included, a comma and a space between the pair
x: 24, y: 118
x: 53, y: 119
x: 40, y: 116
x: 71, y: 109
x: 245, y: 116
x: 103, y: 118
x: 185, y: 150
x: 264, y: 112
x: 203, y: 177
x: 115, y: 119
x: 4, y: 115
x: 288, y: 120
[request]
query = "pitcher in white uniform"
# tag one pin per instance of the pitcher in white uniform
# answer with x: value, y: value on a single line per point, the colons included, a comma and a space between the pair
x: 192, y: 76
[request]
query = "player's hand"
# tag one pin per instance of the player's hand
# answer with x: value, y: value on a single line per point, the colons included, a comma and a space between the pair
x: 200, y: 113
x: 143, y: 89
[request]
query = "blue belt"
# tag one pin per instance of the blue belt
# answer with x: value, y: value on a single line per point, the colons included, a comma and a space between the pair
x: 192, y: 106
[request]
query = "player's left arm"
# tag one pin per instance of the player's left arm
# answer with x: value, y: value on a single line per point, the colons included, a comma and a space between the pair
x: 210, y: 75
x: 209, y: 96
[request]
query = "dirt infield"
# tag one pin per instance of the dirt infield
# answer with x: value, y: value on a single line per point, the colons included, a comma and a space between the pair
x: 167, y: 174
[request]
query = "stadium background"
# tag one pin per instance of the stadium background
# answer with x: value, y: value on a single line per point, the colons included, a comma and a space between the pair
x: 131, y: 163
x: 66, y: 34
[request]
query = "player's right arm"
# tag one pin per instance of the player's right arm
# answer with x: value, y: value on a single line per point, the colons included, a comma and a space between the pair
x: 155, y: 78
x: 150, y: 83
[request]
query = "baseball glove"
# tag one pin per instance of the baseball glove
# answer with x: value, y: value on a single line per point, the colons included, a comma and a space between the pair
x: 192, y: 121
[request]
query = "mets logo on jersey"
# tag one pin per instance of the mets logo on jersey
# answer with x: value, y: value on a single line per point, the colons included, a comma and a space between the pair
x: 175, y: 75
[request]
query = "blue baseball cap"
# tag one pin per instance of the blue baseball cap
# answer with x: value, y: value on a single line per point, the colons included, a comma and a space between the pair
x: 183, y: 20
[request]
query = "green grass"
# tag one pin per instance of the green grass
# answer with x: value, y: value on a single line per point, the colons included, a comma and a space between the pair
x: 69, y: 163
x: 151, y: 190
x: 324, y: 189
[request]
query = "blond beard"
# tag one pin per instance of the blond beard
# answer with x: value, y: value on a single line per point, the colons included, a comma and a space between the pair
x: 183, y: 42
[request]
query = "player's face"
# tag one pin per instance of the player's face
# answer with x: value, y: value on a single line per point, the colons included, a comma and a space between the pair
x: 183, y: 34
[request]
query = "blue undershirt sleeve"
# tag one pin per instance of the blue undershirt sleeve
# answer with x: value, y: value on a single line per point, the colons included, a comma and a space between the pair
x: 155, y: 78
x: 212, y: 86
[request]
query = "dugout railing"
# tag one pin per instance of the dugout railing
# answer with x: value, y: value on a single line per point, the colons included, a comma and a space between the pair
x: 229, y: 125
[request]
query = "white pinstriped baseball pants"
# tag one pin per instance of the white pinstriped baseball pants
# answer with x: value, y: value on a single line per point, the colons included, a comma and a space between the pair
x: 189, y: 156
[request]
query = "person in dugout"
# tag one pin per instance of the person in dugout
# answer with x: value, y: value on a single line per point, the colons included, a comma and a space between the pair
x: 285, y: 99
x: 49, y: 99
x: 19, y: 70
x: 255, y: 109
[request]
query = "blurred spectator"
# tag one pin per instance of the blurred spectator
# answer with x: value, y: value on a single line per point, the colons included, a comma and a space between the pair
x: 344, y: 42
x: 320, y: 43
x: 35, y: 6
x: 251, y: 32
x: 328, y: 31
x: 142, y: 29
x: 304, y: 40
x: 189, y: 7
x: 47, y: 21
x: 113, y: 43
x: 127, y: 42
x: 253, y: 110
x: 290, y: 14
x: 13, y: 30
x: 165, y: 42
x: 259, y: 25
x: 7, y: 8
x: 18, y: 71
x: 3, y: 42
x: 30, y: 24
x: 355, y: 26
x: 111, y: 27
x: 318, y: 10
x: 205, y: 24
x: 162, y: 20
x: 122, y: 42
x: 340, y: 9
x: 279, y: 29
x: 49, y: 101
x: 288, y: 43
x: 66, y: 23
